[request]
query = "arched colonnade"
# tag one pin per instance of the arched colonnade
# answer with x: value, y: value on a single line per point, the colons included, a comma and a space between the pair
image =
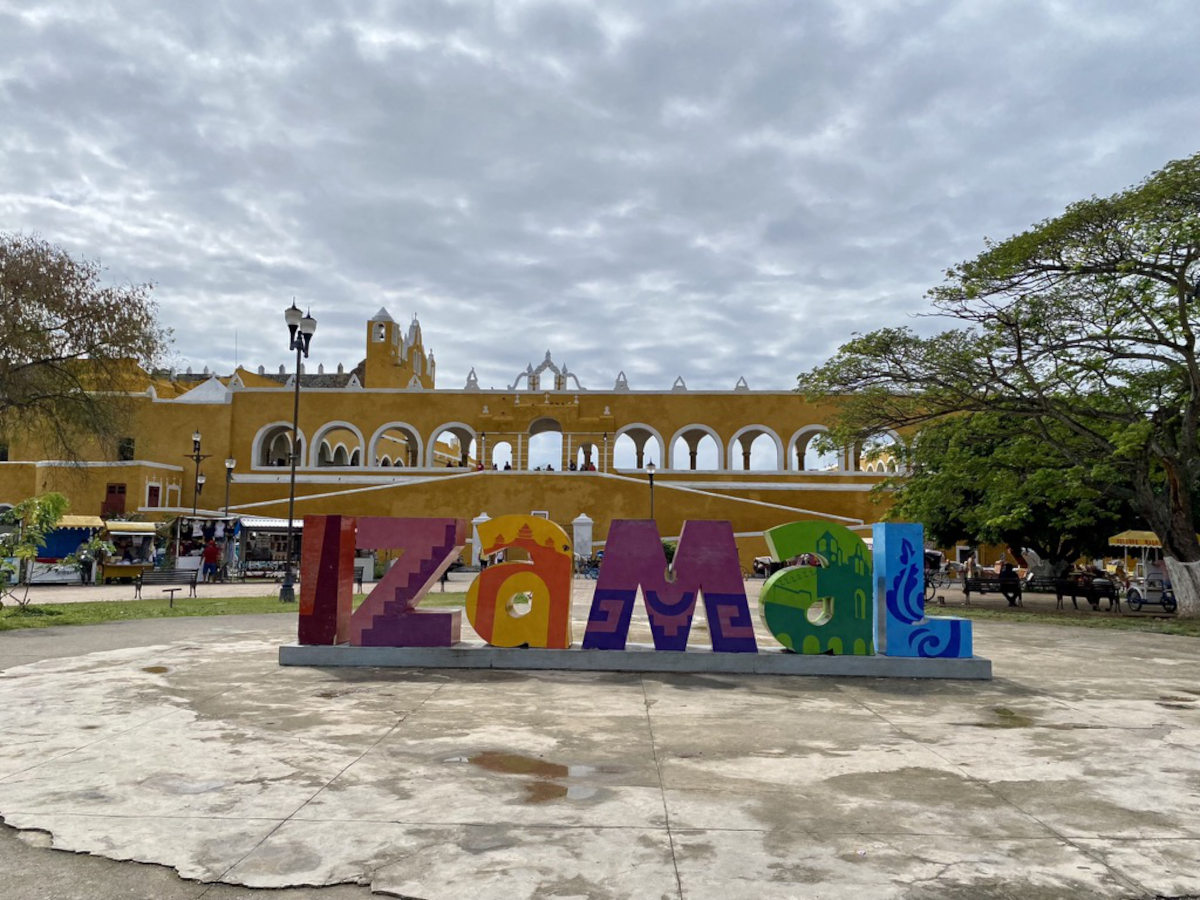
x: 694, y: 447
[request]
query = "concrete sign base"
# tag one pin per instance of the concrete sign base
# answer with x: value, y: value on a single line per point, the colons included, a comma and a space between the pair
x: 635, y: 658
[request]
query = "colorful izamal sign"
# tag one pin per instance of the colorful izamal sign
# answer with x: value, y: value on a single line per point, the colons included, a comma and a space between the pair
x: 838, y: 597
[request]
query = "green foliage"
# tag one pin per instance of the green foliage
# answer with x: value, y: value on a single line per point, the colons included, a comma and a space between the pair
x: 669, y: 548
x: 67, y: 345
x: 1080, y: 333
x: 34, y: 518
x: 95, y: 549
x: 983, y: 478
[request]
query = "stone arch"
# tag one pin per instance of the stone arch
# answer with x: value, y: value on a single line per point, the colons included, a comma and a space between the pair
x: 319, y: 442
x: 500, y: 453
x: 273, y: 442
x: 798, y: 450
x: 693, y: 435
x: 408, y: 453
x: 883, y: 462
x: 548, y: 451
x: 641, y: 433
x: 746, y: 436
x: 461, y: 431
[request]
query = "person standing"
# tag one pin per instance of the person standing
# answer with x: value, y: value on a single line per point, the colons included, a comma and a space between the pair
x: 211, y: 555
x: 84, y: 555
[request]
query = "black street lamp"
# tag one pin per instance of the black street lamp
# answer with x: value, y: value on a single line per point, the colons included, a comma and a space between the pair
x: 483, y: 450
x: 198, y: 481
x: 230, y: 464
x: 300, y: 330
x: 650, y: 470
x: 604, y: 458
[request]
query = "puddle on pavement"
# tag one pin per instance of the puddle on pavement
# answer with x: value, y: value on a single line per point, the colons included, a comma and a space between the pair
x: 547, y: 777
x: 516, y: 764
x: 1005, y: 718
x: 156, y: 670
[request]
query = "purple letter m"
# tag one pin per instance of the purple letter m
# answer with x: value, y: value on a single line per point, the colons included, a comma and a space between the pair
x: 706, y: 562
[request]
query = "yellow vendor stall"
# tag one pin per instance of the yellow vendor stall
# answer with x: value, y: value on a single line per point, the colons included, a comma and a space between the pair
x: 134, y: 543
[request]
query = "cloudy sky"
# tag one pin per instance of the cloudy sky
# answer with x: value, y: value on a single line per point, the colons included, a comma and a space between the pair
x: 705, y: 189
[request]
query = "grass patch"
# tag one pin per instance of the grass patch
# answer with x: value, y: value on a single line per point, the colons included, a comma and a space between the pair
x: 1145, y: 623
x: 45, y: 615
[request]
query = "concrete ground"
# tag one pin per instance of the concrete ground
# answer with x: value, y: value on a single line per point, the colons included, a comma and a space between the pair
x: 181, y: 743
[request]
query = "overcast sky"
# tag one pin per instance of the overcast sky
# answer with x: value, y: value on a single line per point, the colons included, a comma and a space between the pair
x: 709, y: 190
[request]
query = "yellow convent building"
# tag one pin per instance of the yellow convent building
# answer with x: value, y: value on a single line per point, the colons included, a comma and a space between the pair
x: 382, y: 439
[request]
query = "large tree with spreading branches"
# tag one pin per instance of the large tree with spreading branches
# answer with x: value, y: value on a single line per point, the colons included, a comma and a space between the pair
x: 988, y: 478
x: 68, y: 345
x: 1083, y: 328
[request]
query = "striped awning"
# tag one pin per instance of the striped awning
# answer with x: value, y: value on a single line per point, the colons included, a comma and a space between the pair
x: 130, y: 527
x: 1136, y: 539
x: 264, y: 522
x: 80, y: 522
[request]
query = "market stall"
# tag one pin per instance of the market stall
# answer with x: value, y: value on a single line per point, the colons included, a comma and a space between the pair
x: 1149, y: 583
x: 133, y: 550
x: 189, y: 534
x: 262, y: 549
x: 63, y: 543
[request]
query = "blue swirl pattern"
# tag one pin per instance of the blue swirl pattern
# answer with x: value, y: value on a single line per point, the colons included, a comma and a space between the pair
x: 898, y: 550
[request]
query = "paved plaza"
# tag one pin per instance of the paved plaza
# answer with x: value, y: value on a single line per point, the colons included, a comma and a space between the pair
x: 183, y: 744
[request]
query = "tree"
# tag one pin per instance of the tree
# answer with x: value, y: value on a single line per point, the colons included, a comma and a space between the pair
x: 1084, y: 325
x: 35, y: 518
x: 984, y: 478
x: 68, y: 345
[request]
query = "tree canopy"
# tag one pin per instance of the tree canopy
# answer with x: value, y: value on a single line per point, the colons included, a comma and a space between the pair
x: 68, y: 344
x: 984, y: 478
x: 1082, y: 327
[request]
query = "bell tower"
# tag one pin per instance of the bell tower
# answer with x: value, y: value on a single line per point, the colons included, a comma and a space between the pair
x: 396, y: 360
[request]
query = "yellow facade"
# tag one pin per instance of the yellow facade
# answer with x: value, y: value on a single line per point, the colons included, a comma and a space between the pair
x: 381, y: 439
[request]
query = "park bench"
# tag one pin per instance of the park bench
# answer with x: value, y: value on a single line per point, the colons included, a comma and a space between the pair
x: 1041, y: 584
x: 1009, y: 588
x: 181, y: 577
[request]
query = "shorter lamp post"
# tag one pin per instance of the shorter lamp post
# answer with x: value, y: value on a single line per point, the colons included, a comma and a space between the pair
x: 604, y: 458
x: 197, y: 457
x: 230, y: 465
x: 650, y: 470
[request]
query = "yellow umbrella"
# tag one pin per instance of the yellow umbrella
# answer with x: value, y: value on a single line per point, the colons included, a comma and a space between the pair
x: 1135, y: 539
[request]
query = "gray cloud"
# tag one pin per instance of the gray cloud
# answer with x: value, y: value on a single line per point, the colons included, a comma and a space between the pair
x: 699, y: 189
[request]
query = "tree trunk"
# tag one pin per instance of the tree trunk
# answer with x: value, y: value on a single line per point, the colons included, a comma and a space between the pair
x: 1185, y: 580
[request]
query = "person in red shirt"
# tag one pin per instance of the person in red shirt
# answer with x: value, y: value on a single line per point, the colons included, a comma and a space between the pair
x: 211, y: 555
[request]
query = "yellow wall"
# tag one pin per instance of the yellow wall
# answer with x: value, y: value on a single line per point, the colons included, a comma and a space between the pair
x: 235, y: 421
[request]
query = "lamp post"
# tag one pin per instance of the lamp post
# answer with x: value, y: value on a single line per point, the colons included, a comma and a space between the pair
x: 230, y: 465
x: 650, y: 470
x: 483, y: 450
x: 604, y: 458
x: 197, y: 457
x: 300, y: 330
